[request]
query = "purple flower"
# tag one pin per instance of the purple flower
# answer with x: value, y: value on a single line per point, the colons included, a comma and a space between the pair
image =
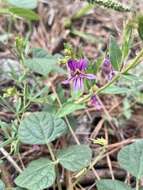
x: 107, y: 69
x: 77, y: 73
x: 95, y: 102
x: 111, y: 75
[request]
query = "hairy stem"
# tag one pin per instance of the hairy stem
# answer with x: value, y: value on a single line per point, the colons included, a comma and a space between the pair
x: 93, y: 163
x: 10, y: 159
x: 137, y: 184
x: 66, y: 119
x: 51, y: 152
x: 54, y: 160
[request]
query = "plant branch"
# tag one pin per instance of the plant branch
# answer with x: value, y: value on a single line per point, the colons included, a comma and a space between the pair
x: 10, y: 159
x: 66, y: 119
x: 137, y: 184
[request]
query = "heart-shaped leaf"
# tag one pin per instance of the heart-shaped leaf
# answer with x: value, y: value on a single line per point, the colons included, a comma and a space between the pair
x: 44, y: 65
x: 27, y: 4
x: 107, y: 184
x: 39, y: 174
x: 131, y: 158
x: 39, y: 53
x: 41, y: 128
x: 75, y: 157
x: 115, y: 53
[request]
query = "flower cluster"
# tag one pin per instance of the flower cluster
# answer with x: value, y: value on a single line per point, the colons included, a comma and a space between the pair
x: 77, y: 75
x: 107, y: 69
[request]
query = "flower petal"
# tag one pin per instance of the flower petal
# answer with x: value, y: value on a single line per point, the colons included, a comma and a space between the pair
x: 82, y: 64
x: 106, y: 62
x: 78, y: 84
x: 94, y: 102
x: 67, y: 81
x: 72, y: 64
x: 111, y: 75
x: 89, y: 76
x: 106, y: 67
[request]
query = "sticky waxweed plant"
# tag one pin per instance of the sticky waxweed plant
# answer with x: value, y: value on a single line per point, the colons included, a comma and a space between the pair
x: 43, y: 126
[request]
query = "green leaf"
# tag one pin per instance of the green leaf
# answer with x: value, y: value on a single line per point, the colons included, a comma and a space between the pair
x: 95, y: 66
x: 127, y: 39
x: 115, y: 54
x: 2, y: 185
x: 27, y: 4
x: 112, y: 89
x: 41, y: 128
x: 131, y: 77
x: 68, y: 108
x: 131, y: 159
x: 107, y: 184
x: 75, y: 157
x: 43, y: 66
x: 39, y: 53
x: 39, y: 174
x: 82, y: 11
x: 140, y: 26
x: 24, y: 13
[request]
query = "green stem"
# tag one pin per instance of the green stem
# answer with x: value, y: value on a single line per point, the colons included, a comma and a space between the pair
x: 58, y: 181
x: 67, y: 121
x: 71, y: 130
x: 134, y: 63
x: 99, y: 157
x: 24, y: 94
x: 137, y: 184
x: 109, y: 83
x: 51, y: 152
x: 2, y: 144
x: 55, y: 161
